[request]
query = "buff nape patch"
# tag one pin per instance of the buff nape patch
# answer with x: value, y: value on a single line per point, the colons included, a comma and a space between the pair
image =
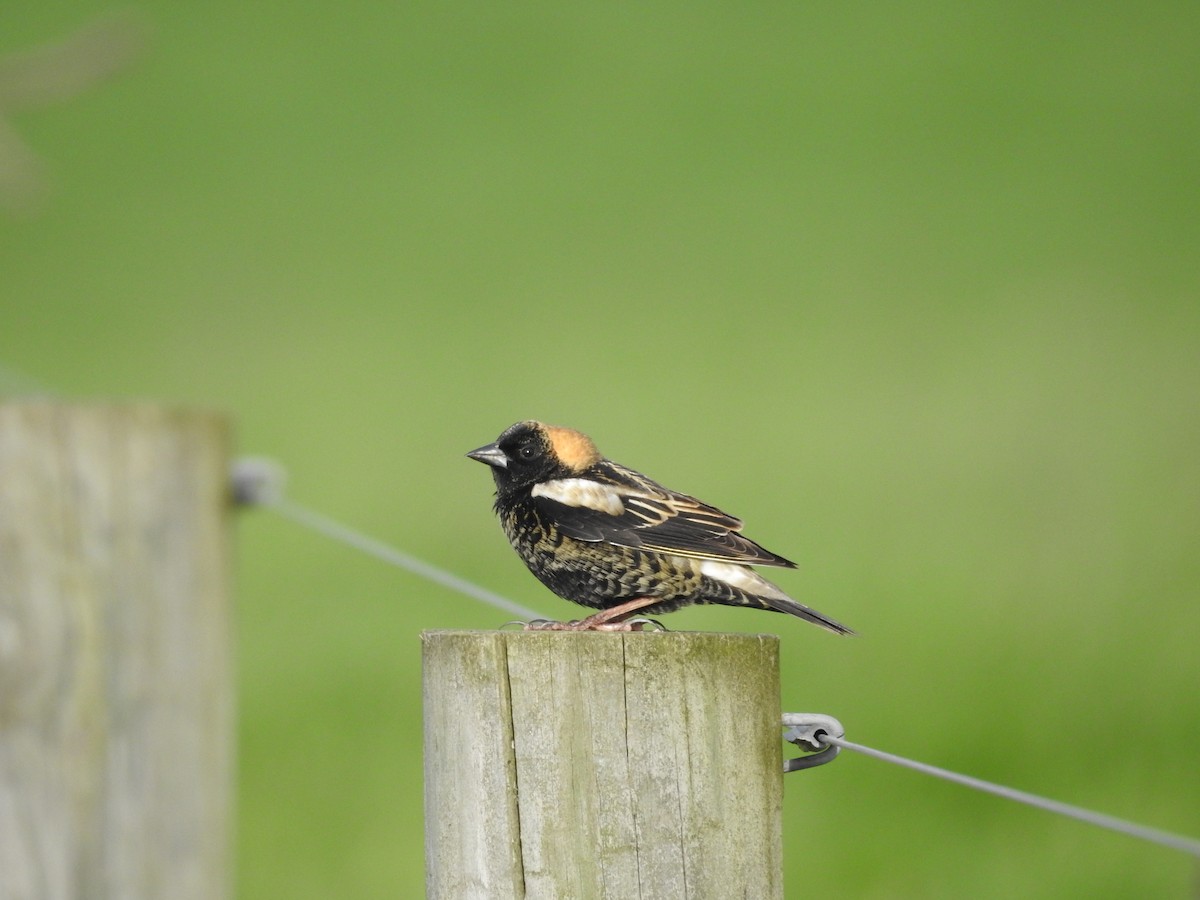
x: 574, y: 449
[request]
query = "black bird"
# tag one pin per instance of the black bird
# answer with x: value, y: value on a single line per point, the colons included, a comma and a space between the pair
x: 607, y: 537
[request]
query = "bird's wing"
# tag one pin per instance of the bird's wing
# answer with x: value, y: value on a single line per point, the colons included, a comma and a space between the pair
x: 619, y: 506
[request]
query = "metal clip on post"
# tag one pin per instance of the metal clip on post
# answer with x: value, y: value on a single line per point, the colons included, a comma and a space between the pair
x: 805, y: 730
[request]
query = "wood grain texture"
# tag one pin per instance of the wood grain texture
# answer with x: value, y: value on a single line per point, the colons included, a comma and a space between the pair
x: 116, y: 696
x: 472, y: 836
x: 640, y: 765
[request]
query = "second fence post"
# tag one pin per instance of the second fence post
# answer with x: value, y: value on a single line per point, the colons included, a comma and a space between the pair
x: 631, y: 766
x: 116, y: 684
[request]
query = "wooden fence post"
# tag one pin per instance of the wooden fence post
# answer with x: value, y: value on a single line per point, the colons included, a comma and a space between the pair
x: 583, y: 765
x: 116, y: 695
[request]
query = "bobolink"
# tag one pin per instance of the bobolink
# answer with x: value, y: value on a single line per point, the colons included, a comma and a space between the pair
x: 607, y: 537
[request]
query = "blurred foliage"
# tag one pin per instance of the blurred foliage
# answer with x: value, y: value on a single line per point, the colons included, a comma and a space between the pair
x: 912, y: 288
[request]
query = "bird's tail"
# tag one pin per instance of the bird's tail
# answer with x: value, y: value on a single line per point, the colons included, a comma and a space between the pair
x: 791, y: 607
x: 737, y: 585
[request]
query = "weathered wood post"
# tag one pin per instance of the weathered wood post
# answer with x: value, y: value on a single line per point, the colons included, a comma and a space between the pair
x: 583, y: 765
x: 116, y: 695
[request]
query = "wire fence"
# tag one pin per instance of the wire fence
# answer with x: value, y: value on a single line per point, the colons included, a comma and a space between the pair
x: 825, y: 736
x: 259, y: 482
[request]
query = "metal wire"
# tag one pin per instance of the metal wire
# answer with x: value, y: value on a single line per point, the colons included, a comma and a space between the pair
x: 258, y: 482
x: 339, y: 532
x: 1101, y: 820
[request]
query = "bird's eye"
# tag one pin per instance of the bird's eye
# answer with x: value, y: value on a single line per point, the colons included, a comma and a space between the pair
x: 528, y: 451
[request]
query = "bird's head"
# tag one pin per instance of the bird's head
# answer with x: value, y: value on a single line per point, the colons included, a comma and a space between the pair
x: 531, y: 452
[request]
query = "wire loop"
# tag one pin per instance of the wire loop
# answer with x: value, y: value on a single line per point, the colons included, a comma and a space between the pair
x: 809, y: 731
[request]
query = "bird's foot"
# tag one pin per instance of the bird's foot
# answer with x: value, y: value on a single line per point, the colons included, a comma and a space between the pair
x: 615, y: 618
x: 582, y: 625
x: 642, y: 621
x: 638, y: 624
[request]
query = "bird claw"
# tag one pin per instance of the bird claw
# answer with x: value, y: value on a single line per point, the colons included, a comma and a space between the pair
x: 540, y: 625
x: 614, y: 618
x: 640, y: 623
x: 573, y: 625
x: 589, y: 624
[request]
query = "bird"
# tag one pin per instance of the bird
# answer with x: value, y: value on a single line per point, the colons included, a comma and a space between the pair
x: 605, y: 536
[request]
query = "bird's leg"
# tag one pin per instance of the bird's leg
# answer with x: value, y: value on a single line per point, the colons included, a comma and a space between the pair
x: 613, y: 618
x: 610, y: 619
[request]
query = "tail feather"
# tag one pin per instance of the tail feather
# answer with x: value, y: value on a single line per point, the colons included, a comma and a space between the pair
x: 741, y: 586
x: 791, y: 607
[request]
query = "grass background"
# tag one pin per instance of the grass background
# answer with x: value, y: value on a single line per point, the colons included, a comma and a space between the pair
x: 911, y: 288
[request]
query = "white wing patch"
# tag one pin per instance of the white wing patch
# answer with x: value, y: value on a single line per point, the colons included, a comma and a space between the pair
x: 581, y: 492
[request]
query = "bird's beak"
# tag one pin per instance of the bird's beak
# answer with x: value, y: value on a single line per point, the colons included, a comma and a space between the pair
x: 490, y: 454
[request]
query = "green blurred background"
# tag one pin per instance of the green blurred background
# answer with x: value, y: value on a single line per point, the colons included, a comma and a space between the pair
x: 913, y: 288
